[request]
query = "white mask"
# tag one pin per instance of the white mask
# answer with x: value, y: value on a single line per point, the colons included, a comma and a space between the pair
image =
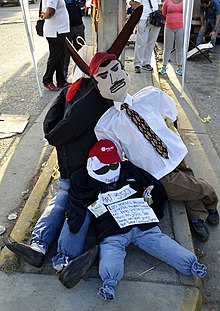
x: 112, y: 81
x: 112, y: 175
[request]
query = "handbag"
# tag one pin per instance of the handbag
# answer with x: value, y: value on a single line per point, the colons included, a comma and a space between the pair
x: 155, y: 18
x: 39, y: 27
x: 86, y: 52
x: 40, y: 23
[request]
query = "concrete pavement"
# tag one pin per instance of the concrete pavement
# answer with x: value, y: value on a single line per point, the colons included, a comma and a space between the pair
x: 162, y: 288
x: 203, y: 82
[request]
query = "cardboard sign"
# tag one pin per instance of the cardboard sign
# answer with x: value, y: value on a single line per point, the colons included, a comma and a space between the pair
x: 116, y: 196
x: 97, y: 208
x: 132, y: 212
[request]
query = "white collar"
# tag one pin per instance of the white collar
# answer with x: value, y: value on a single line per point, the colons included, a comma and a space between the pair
x: 128, y: 100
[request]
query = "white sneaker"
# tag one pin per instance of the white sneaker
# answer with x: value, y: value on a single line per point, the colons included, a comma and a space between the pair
x: 38, y: 248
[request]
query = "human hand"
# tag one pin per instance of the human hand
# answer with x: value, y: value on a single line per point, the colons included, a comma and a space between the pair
x: 202, y: 29
x: 212, y: 34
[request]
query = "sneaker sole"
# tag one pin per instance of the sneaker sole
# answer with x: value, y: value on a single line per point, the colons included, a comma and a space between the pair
x: 36, y: 263
x: 147, y: 69
x: 72, y: 274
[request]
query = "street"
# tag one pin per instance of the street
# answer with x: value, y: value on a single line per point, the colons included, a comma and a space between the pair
x: 19, y: 95
x: 19, y: 90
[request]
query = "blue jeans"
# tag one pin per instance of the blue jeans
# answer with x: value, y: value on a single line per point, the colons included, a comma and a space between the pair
x: 153, y: 242
x: 71, y: 245
x: 208, y: 22
x: 52, y: 225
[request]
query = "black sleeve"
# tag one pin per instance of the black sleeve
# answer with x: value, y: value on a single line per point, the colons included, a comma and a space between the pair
x: 79, y: 117
x: 53, y: 116
x: 76, y: 214
x: 81, y: 195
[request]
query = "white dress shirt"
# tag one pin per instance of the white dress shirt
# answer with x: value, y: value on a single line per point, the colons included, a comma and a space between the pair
x: 146, y: 7
x: 152, y: 104
x: 59, y: 22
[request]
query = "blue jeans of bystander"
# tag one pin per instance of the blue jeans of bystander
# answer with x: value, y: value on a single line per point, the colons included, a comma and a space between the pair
x: 199, y: 40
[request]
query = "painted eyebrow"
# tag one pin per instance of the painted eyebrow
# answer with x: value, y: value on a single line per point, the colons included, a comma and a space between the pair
x: 116, y: 65
x: 103, y: 73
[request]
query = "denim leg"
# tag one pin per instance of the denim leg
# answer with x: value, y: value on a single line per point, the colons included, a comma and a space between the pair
x: 200, y: 36
x: 111, y: 263
x: 50, y: 223
x: 212, y: 23
x: 71, y: 245
x: 161, y: 246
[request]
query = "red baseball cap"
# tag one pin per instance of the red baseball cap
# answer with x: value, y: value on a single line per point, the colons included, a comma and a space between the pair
x: 98, y: 59
x: 106, y: 151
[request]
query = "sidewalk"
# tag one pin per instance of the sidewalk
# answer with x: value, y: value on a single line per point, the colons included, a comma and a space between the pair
x: 161, y: 289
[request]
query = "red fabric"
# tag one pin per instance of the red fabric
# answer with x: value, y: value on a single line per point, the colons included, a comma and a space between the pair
x: 73, y: 89
x: 106, y: 151
x: 95, y: 3
x: 98, y: 59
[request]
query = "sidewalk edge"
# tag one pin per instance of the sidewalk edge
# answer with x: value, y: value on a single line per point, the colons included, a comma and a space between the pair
x: 180, y: 220
x: 8, y: 260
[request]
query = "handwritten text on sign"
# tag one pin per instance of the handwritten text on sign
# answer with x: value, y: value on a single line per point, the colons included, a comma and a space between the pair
x: 132, y: 212
x: 117, y: 195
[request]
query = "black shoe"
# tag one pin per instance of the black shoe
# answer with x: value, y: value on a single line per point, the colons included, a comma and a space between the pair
x: 77, y: 268
x: 25, y: 252
x: 147, y: 67
x: 200, y: 229
x: 213, y: 217
x: 137, y: 69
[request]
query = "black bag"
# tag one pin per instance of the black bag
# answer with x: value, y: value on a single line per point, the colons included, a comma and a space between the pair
x: 39, y: 27
x: 156, y: 18
x: 80, y: 5
x: 40, y: 23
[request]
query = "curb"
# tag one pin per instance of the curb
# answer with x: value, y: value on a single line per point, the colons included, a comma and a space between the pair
x: 193, y: 298
x: 8, y: 260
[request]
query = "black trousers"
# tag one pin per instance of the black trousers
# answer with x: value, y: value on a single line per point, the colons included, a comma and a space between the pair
x: 55, y: 62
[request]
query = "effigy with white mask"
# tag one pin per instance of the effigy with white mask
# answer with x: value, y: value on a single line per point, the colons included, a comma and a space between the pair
x: 103, y: 165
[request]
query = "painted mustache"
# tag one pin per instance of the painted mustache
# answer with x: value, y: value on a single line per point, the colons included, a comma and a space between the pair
x: 117, y: 85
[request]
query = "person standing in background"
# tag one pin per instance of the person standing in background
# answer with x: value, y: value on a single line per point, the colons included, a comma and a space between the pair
x: 76, y: 11
x: 56, y: 28
x: 147, y: 35
x: 173, y: 32
x: 209, y: 16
